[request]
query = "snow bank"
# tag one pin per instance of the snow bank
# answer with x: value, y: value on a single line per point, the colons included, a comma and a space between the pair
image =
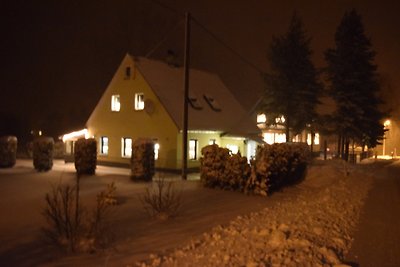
x: 314, y: 228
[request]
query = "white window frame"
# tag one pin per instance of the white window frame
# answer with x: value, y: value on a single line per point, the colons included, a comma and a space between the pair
x: 139, y: 101
x: 126, y: 147
x: 115, y: 103
x: 193, y: 146
x: 104, y: 145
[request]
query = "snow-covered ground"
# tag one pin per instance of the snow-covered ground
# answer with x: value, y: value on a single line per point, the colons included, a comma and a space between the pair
x: 309, y: 224
x: 314, y: 228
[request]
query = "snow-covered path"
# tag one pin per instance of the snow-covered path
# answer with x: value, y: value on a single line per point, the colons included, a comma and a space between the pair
x: 314, y: 228
x: 377, y: 237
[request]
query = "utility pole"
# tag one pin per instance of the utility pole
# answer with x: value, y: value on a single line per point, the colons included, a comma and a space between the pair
x: 186, y: 65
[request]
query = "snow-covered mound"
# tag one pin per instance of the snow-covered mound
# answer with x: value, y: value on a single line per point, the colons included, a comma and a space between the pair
x: 313, y: 228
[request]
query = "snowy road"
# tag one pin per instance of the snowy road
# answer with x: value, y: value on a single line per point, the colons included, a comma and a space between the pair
x: 377, y: 241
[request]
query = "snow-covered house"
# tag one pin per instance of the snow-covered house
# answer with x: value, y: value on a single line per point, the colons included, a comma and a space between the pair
x: 145, y: 99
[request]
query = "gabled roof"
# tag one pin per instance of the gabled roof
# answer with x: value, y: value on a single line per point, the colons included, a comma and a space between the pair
x: 213, y: 106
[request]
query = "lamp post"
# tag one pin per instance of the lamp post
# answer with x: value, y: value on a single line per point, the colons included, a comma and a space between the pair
x: 385, y: 125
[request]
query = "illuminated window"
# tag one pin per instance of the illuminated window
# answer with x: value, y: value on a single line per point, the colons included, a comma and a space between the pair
x: 271, y: 138
x: 316, y: 139
x: 212, y: 142
x: 261, y: 118
x: 156, y: 149
x: 139, y: 101
x: 126, y: 147
x: 115, y: 103
x: 104, y: 145
x: 280, y: 138
x: 233, y: 148
x: 212, y: 103
x: 193, y: 149
x: 280, y: 119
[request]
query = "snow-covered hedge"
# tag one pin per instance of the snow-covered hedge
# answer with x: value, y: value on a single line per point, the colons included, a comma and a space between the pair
x: 275, y: 166
x: 8, y: 151
x: 142, y: 160
x: 43, y: 153
x: 85, y: 156
x: 220, y: 169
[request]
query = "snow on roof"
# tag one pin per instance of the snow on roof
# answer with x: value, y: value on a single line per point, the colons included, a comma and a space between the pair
x: 213, y: 106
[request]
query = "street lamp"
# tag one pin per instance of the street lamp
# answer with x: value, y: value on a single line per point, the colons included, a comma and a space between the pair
x: 386, y: 124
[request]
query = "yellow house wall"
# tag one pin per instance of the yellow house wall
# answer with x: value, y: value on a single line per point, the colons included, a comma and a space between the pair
x: 131, y: 123
x: 203, y: 139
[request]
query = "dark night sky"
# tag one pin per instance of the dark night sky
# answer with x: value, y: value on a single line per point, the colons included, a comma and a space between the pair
x: 58, y: 56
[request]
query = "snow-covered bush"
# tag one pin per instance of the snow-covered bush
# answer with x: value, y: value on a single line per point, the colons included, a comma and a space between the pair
x: 8, y: 151
x: 220, y: 169
x: 274, y: 166
x: 142, y: 160
x: 85, y: 155
x: 277, y: 165
x: 43, y: 153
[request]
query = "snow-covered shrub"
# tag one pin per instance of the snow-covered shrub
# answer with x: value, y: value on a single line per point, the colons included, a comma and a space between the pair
x: 8, y: 151
x: 85, y: 155
x: 43, y: 153
x: 212, y: 165
x: 277, y: 165
x: 142, y: 159
x: 236, y: 173
x: 220, y: 169
x: 161, y: 200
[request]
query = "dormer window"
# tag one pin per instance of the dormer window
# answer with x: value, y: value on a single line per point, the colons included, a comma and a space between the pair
x: 115, y: 103
x: 194, y: 103
x: 212, y: 103
x: 139, y: 101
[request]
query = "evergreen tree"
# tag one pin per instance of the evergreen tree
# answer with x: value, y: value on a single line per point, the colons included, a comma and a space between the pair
x: 292, y: 88
x: 354, y: 85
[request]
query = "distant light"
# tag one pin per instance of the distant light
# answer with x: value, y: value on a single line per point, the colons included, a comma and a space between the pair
x: 75, y: 134
x: 40, y: 133
x: 386, y: 123
x: 261, y: 118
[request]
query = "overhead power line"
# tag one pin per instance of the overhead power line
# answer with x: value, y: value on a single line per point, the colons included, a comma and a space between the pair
x: 242, y: 58
x: 151, y: 51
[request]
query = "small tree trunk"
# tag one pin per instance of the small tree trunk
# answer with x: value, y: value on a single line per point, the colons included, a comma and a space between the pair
x: 346, y: 156
x: 325, y: 149
x: 312, y: 142
x: 339, y: 151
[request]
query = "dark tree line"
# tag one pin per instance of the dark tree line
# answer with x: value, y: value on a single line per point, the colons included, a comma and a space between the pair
x: 354, y: 86
x: 293, y: 86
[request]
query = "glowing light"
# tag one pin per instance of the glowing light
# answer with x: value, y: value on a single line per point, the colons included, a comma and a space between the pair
x: 233, y: 148
x: 261, y: 118
x: 316, y: 139
x: 386, y: 123
x: 156, y: 150
x: 73, y: 135
x: 139, y: 101
x: 115, y: 103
